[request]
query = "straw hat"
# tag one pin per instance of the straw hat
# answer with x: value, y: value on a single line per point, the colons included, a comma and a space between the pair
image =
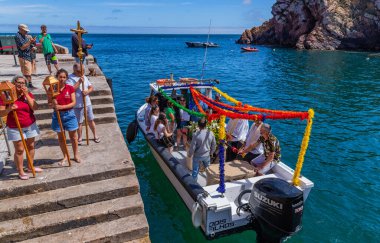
x: 23, y: 27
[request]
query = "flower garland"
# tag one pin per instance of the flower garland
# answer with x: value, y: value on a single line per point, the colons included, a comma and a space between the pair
x: 246, y: 107
x: 248, y: 116
x: 196, y: 101
x: 304, y: 145
x: 222, y: 137
x: 227, y: 97
x: 180, y: 106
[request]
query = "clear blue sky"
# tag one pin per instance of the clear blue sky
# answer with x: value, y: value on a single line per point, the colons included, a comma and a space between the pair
x: 134, y: 16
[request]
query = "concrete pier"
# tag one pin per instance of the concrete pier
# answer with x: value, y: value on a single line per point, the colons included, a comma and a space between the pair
x: 97, y: 200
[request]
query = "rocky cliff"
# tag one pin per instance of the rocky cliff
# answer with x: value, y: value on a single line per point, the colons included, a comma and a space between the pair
x: 320, y: 24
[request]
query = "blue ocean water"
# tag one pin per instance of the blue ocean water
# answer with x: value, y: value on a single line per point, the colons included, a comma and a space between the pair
x: 343, y: 156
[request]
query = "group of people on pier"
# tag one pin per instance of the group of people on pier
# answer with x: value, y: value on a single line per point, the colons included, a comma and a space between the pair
x: 256, y: 145
x: 69, y: 102
x: 26, y: 48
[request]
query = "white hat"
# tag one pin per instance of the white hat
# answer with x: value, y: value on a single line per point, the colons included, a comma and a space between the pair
x: 23, y: 27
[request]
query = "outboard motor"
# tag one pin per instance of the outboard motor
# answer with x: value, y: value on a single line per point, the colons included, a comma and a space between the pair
x: 277, y: 207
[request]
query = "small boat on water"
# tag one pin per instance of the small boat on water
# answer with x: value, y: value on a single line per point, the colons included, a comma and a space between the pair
x: 249, y: 49
x: 229, y: 196
x: 201, y: 44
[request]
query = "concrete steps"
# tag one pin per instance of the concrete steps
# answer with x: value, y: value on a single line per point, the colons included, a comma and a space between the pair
x: 103, y: 108
x: 121, y: 230
x: 73, y: 196
x: 75, y: 176
x: 54, y: 222
x: 41, y: 95
x: 99, y: 119
x: 95, y: 100
x: 97, y: 200
x: 97, y: 109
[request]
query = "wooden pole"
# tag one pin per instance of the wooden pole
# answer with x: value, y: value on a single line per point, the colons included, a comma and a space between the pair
x: 30, y: 162
x: 80, y: 54
x: 84, y: 104
x: 64, y: 137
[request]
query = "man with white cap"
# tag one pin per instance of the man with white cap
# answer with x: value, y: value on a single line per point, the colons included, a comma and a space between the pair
x: 24, y: 44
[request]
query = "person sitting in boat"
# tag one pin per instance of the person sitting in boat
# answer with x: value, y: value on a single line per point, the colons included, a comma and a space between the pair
x: 202, y: 145
x: 161, y: 132
x: 272, y: 151
x: 184, y: 121
x: 151, y: 100
x: 253, y: 135
x: 186, y: 95
x: 170, y: 115
x: 236, y: 132
x: 153, y: 115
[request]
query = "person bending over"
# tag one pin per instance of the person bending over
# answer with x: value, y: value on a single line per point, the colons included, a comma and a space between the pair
x: 272, y: 151
x: 236, y: 132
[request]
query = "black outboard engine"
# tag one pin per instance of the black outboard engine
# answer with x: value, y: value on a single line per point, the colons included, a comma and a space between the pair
x: 277, y: 207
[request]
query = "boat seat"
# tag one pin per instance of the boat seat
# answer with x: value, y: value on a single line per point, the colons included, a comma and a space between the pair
x: 233, y: 171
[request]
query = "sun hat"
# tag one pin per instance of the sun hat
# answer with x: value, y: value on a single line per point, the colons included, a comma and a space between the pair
x: 23, y: 27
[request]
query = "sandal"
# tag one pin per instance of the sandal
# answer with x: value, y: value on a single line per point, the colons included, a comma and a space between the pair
x: 97, y: 140
x: 77, y: 160
x: 36, y: 169
x: 23, y: 177
x: 62, y: 162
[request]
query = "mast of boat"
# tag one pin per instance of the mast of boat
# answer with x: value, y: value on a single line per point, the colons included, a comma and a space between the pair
x: 205, y: 57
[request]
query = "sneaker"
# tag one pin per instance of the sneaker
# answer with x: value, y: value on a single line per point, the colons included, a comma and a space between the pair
x: 31, y: 86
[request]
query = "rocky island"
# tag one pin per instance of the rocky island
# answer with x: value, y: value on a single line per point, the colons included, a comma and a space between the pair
x: 320, y: 24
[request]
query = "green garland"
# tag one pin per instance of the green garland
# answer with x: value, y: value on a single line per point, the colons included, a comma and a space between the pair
x: 194, y: 113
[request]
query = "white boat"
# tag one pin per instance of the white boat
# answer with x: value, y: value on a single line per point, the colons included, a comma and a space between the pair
x: 268, y: 204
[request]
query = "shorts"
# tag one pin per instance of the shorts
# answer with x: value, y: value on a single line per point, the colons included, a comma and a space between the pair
x: 28, y: 132
x: 77, y: 60
x: 259, y: 160
x: 183, y: 124
x: 69, y: 121
x: 79, y: 113
x: 26, y: 66
x: 51, y: 58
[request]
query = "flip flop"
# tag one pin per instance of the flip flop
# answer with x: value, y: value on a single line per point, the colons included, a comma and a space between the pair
x: 36, y: 169
x: 23, y: 177
x: 62, y: 162
x: 97, y: 140
x: 78, y: 160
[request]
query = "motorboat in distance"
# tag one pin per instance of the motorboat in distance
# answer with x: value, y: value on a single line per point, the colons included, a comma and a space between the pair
x: 201, y: 44
x: 249, y: 49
